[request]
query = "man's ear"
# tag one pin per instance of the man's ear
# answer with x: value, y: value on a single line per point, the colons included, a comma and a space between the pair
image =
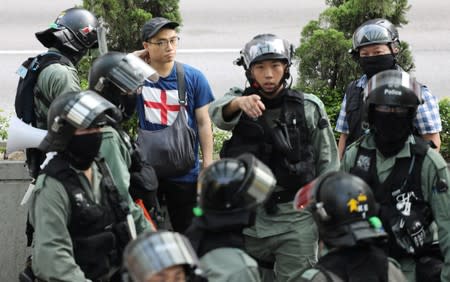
x: 145, y: 44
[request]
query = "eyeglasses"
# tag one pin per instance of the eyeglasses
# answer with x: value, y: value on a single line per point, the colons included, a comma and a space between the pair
x: 164, y: 43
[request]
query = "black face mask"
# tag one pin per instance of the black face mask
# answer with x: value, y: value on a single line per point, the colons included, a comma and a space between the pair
x: 375, y: 64
x: 82, y: 150
x: 391, y: 131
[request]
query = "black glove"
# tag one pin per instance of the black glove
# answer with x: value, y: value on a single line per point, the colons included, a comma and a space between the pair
x: 416, y: 232
x: 409, y: 232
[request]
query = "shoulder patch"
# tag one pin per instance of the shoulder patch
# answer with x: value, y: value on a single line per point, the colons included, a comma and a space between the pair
x: 310, y: 273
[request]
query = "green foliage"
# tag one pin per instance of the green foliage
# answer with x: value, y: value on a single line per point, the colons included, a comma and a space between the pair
x: 444, y: 110
x: 325, y: 67
x: 324, y: 61
x: 130, y: 126
x: 219, y: 136
x: 4, y: 125
x: 124, y: 19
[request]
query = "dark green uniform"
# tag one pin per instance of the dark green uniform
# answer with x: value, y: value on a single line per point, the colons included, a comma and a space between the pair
x: 54, y: 80
x: 50, y: 213
x: 287, y: 237
x: 117, y: 155
x: 229, y: 265
x: 434, y: 169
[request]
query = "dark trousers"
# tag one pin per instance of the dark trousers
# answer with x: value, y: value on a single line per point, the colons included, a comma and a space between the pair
x: 180, y: 198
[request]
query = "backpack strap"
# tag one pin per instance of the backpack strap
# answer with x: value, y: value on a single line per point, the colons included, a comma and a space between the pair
x: 181, y: 84
x: 43, y: 61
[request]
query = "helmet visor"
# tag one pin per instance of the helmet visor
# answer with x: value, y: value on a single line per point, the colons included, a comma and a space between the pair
x: 90, y: 110
x: 155, y: 252
x: 393, y: 88
x: 269, y: 48
x: 262, y: 183
x: 131, y: 73
x: 371, y: 34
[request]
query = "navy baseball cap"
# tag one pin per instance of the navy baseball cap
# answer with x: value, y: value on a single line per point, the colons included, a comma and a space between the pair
x: 153, y: 26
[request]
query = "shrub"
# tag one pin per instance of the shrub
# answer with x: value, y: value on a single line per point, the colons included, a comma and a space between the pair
x: 219, y: 136
x: 444, y: 110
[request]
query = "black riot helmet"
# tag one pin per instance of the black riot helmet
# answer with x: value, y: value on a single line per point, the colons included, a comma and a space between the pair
x: 234, y: 184
x: 342, y: 205
x: 85, y: 109
x: 152, y: 252
x: 117, y: 76
x: 375, y: 31
x: 74, y: 30
x: 395, y: 88
x: 265, y: 47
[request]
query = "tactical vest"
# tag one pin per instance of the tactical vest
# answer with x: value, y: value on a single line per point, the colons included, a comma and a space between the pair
x: 99, y: 232
x: 285, y: 148
x: 354, y: 111
x: 400, y: 194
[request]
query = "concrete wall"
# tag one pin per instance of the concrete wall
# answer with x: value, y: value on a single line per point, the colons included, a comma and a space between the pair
x: 14, y: 182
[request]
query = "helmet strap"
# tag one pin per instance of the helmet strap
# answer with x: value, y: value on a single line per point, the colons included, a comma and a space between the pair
x: 393, y: 53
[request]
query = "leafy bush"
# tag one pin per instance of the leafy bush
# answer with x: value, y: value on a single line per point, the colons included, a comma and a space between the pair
x: 3, y: 125
x: 444, y: 110
x: 219, y: 136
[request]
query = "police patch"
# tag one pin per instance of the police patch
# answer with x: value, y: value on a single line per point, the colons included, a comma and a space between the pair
x: 363, y: 162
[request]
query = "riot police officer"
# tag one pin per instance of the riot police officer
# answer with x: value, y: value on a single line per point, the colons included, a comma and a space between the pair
x: 116, y: 77
x: 69, y: 37
x: 375, y: 48
x: 408, y: 179
x: 53, y: 73
x: 288, y: 131
x: 344, y: 209
x: 229, y: 191
x: 81, y: 223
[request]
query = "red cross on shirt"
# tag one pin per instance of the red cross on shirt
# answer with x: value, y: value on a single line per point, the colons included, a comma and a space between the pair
x: 163, y: 106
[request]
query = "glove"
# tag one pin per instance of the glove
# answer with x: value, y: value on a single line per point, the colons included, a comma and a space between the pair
x: 416, y: 232
x: 409, y: 233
